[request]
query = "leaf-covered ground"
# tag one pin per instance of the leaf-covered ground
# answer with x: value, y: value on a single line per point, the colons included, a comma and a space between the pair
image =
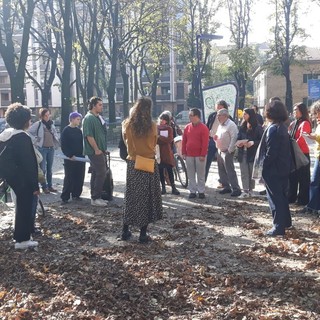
x: 208, y: 260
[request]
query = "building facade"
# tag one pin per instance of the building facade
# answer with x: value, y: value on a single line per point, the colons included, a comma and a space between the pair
x: 267, y: 84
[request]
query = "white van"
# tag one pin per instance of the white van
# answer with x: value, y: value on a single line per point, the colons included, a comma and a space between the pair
x: 182, y: 117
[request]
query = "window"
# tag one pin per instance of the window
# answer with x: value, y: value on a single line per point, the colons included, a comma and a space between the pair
x: 310, y: 76
x: 4, y: 80
x: 180, y: 91
x: 165, y: 90
x: 4, y: 97
x: 307, y: 102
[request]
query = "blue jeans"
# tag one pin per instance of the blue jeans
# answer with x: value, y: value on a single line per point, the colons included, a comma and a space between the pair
x: 46, y: 165
x: 277, y: 188
x: 314, y: 194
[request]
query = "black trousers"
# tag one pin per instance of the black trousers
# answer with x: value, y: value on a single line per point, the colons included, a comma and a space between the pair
x: 300, y: 179
x: 23, y: 224
x: 74, y: 172
x: 162, y: 167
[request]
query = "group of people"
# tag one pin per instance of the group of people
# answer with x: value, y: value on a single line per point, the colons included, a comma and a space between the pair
x: 263, y: 154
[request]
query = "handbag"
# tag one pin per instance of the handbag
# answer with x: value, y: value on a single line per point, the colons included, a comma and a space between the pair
x: 144, y: 164
x: 298, y: 158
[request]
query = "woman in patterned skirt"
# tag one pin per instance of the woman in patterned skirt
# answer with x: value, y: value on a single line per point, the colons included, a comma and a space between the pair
x: 142, y: 202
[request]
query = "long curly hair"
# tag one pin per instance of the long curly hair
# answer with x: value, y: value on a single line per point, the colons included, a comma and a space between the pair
x: 140, y: 120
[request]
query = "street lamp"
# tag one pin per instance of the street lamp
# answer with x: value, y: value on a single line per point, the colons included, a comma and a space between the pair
x: 203, y: 36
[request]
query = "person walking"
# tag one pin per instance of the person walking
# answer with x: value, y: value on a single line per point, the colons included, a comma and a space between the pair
x: 45, y: 138
x: 194, y: 151
x: 142, y: 201
x: 249, y: 137
x: 95, y: 147
x: 167, y: 162
x: 225, y: 139
x: 21, y: 171
x: 74, y: 171
x: 300, y: 179
x: 274, y: 149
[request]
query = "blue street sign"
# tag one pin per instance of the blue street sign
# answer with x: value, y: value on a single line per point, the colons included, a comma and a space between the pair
x: 314, y: 89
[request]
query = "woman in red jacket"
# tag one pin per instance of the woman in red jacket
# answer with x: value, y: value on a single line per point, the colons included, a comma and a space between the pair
x: 167, y: 162
x: 301, y: 177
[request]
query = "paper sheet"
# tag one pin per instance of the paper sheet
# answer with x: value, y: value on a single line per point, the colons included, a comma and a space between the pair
x: 62, y: 156
x: 308, y: 140
x: 164, y: 133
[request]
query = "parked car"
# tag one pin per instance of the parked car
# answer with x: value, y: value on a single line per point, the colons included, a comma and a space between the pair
x: 118, y: 121
x: 182, y: 117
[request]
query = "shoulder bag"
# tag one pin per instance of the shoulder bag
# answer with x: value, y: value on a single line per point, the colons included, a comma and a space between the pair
x: 298, y: 158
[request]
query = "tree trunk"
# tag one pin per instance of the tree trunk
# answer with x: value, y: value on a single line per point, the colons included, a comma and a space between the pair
x: 125, y: 80
x: 112, y: 81
x: 154, y: 85
x: 66, y: 107
x: 288, y: 101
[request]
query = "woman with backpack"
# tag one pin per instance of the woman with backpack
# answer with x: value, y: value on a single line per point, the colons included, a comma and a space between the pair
x: 21, y: 171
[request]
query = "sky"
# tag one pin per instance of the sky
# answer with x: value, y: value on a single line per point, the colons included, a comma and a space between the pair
x: 309, y: 19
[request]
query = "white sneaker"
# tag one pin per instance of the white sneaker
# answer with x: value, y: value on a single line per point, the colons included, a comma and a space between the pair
x: 99, y: 203
x: 26, y: 244
x: 244, y: 195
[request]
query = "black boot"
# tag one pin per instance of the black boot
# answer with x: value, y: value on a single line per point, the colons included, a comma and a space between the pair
x: 144, y: 238
x: 163, y: 190
x: 126, y: 233
x: 175, y: 191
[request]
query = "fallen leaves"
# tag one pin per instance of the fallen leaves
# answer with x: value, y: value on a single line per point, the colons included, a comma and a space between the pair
x: 204, y: 263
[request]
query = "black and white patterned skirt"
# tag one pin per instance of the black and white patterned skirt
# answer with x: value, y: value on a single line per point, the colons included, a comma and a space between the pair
x: 142, y: 201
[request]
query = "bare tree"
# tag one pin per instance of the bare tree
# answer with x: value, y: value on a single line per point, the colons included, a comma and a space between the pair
x: 287, y: 35
x: 15, y: 24
x: 194, y: 18
x: 241, y: 55
x: 62, y: 24
x: 46, y: 51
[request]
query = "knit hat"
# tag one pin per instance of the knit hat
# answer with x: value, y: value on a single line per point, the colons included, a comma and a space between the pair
x: 74, y: 115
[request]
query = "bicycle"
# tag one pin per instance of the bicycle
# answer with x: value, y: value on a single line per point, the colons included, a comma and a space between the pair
x: 180, y: 169
x: 4, y: 196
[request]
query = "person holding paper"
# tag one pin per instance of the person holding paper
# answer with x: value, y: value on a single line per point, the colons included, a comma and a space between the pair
x: 314, y: 194
x: 225, y: 139
x: 72, y: 147
x: 95, y: 147
x: 301, y: 177
x: 249, y: 137
x: 167, y: 162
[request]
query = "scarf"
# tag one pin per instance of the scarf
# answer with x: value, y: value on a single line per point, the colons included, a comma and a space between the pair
x: 48, y: 124
x: 259, y: 157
